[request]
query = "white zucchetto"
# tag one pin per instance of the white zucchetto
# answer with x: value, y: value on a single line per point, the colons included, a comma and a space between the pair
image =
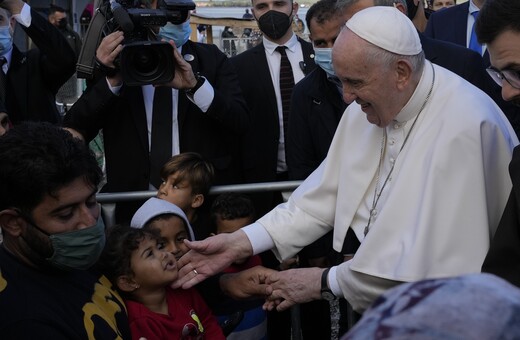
x: 387, y: 28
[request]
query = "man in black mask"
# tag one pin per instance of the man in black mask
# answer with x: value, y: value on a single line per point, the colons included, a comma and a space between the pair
x: 266, y: 74
x: 58, y: 17
x: 268, y: 96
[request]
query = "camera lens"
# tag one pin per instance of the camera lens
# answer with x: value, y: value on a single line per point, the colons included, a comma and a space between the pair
x: 149, y: 62
x: 145, y: 61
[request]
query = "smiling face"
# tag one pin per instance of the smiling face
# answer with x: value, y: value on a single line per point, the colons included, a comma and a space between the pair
x: 153, y: 267
x: 504, y: 53
x: 173, y: 231
x: 366, y: 80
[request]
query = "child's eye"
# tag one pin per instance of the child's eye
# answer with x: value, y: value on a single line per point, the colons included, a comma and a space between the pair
x: 160, y: 245
x: 181, y: 238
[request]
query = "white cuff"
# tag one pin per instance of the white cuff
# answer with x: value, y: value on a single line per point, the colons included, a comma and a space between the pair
x: 333, y: 282
x: 204, y: 96
x: 258, y: 237
x: 115, y: 89
x: 24, y: 17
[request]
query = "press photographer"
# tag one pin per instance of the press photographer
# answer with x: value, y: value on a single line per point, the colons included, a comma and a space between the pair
x: 200, y: 110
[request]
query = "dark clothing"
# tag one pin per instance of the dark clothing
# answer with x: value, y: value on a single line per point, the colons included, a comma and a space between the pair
x: 73, y: 39
x: 35, y: 76
x: 213, y: 134
x: 316, y: 109
x: 260, y: 143
x: 75, y: 304
x: 503, y: 257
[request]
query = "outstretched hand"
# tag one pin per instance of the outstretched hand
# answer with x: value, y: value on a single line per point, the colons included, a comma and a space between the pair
x: 210, y: 256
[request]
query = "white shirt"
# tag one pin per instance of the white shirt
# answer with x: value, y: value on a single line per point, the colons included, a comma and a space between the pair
x: 295, y: 56
x: 202, y: 98
x: 449, y: 187
x: 471, y: 22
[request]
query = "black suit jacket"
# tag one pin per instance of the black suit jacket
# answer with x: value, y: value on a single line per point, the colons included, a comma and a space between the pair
x: 449, y: 24
x: 35, y: 76
x: 503, y: 258
x: 213, y: 134
x: 316, y: 109
x: 260, y: 143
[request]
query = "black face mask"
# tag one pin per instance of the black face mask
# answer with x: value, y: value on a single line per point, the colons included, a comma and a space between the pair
x: 62, y: 23
x: 274, y: 24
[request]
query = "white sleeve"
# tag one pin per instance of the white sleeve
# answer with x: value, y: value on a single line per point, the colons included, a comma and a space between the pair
x: 359, y: 289
x: 24, y: 17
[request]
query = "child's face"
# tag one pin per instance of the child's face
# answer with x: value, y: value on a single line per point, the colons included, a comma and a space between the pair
x: 173, y: 231
x: 152, y: 265
x: 229, y: 226
x: 179, y: 193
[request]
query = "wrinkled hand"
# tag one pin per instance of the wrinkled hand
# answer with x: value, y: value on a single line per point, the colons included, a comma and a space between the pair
x: 210, y: 256
x: 290, y: 287
x: 109, y: 48
x: 247, y: 283
x: 184, y: 77
x: 13, y: 6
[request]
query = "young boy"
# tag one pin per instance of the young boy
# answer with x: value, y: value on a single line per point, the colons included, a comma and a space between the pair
x: 136, y: 262
x: 169, y: 220
x: 187, y: 179
x: 230, y: 212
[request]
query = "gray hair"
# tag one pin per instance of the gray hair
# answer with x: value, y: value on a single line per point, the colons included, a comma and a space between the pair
x: 377, y: 55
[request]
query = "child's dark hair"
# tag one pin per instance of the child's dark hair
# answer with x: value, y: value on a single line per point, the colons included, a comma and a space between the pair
x: 192, y: 167
x: 121, y: 241
x: 231, y: 205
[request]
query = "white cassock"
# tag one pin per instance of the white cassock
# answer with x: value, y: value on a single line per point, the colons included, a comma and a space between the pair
x: 439, y: 209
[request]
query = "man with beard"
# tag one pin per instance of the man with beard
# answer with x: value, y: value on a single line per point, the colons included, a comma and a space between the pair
x: 53, y: 235
x: 498, y: 26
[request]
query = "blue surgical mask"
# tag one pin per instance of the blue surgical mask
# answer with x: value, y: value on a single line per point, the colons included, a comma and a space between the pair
x: 178, y: 33
x: 6, y: 40
x: 323, y: 58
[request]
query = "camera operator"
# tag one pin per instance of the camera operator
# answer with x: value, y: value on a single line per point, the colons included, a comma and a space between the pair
x: 30, y: 80
x: 204, y: 110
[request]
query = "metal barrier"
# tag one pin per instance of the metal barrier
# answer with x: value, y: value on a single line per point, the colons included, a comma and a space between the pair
x: 215, y: 190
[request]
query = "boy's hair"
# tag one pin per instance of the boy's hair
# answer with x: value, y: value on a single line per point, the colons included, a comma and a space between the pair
x: 193, y: 168
x: 39, y: 159
x: 230, y: 206
x: 54, y: 8
x: 121, y: 241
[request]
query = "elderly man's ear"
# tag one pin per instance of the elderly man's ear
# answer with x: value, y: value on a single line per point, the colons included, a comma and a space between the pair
x: 404, y: 73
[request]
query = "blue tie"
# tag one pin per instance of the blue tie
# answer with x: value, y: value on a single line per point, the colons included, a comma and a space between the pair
x: 473, y: 42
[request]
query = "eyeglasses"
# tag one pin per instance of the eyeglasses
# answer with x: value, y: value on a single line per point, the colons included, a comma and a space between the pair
x: 511, y: 76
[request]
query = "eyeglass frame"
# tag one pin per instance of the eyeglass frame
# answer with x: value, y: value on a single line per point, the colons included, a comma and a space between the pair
x: 511, y: 76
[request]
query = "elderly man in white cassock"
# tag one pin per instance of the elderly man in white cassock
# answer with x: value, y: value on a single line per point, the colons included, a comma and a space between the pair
x: 417, y: 169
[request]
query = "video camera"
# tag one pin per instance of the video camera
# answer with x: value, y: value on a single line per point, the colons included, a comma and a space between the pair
x: 144, y: 59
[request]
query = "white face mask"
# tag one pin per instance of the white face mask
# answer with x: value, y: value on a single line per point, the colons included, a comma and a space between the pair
x: 6, y: 40
x: 323, y: 58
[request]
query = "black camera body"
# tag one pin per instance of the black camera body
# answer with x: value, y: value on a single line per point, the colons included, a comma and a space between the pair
x: 144, y: 59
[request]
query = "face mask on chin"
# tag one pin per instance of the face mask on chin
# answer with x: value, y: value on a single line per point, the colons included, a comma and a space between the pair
x: 78, y: 249
x: 178, y: 33
x: 274, y: 24
x: 6, y: 40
